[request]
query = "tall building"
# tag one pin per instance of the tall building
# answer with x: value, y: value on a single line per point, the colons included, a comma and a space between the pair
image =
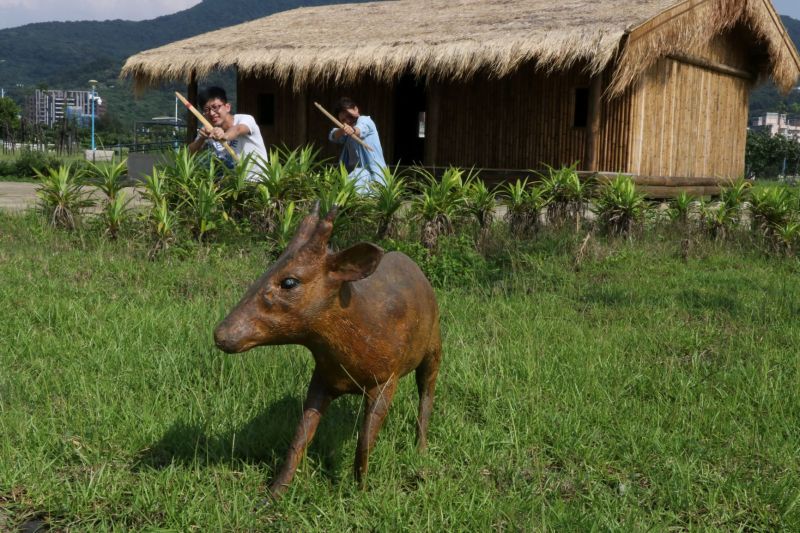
x: 51, y: 106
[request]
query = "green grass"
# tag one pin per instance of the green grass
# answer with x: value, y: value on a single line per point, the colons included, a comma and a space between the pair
x: 638, y: 392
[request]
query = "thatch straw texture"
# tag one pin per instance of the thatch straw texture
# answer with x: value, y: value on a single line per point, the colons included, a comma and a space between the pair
x: 454, y: 39
x: 690, y: 24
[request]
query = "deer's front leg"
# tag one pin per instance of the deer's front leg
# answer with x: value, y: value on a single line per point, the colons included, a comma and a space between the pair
x: 377, y: 400
x: 317, y: 401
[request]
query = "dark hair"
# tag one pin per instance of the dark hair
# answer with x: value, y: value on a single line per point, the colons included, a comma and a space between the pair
x: 344, y: 103
x: 212, y: 93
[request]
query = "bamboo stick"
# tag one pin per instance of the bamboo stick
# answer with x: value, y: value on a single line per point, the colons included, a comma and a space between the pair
x: 341, y: 126
x: 205, y: 123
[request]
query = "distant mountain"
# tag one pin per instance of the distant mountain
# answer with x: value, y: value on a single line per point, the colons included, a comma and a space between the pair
x: 65, y: 55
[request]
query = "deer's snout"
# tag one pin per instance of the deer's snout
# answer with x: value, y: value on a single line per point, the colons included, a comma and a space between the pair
x: 229, y: 337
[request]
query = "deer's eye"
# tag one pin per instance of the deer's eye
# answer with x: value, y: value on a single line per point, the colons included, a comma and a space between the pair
x: 289, y: 283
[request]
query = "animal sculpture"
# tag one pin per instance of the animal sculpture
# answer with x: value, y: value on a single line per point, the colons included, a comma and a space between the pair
x: 367, y: 317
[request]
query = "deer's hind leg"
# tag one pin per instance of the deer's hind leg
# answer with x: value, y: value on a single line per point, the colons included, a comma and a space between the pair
x: 377, y: 401
x: 426, y: 374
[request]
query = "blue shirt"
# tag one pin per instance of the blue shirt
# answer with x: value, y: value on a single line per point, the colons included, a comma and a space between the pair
x: 367, y: 166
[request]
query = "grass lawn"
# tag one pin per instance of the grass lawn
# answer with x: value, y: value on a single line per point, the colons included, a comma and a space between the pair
x: 640, y: 391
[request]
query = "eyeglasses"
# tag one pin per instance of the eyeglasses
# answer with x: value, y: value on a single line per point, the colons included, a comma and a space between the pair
x: 212, y: 109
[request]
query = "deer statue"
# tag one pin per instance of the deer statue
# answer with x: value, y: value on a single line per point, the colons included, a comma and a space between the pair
x: 368, y: 319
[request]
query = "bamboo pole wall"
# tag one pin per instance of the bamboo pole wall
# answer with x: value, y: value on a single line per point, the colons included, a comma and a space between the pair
x: 691, y: 121
x: 520, y: 122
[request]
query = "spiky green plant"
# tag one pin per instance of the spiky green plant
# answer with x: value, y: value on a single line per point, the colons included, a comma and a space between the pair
x: 770, y: 207
x: 577, y: 193
x: 736, y: 193
x: 718, y: 218
x: 335, y: 187
x: 180, y: 171
x: 619, y: 207
x: 107, y: 177
x: 387, y: 196
x: 262, y: 210
x: 787, y: 237
x: 115, y: 213
x: 681, y: 207
x: 202, y: 201
x: 734, y: 198
x: 300, y: 164
x: 164, y: 225
x: 237, y: 187
x: 61, y: 196
x: 439, y: 205
x: 514, y: 196
x: 285, y: 226
x: 480, y: 202
x: 281, y: 181
x: 565, y: 194
x: 155, y: 186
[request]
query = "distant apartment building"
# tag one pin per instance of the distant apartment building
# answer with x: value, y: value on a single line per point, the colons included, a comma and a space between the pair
x: 777, y: 123
x: 49, y: 107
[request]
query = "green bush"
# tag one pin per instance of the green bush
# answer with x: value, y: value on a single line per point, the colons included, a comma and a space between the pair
x: 31, y: 162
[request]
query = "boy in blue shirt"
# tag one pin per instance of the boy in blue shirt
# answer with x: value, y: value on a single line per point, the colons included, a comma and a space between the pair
x: 364, y: 165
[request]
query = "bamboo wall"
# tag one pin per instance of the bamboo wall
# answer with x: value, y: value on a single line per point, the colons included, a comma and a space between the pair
x: 689, y: 121
x: 518, y: 122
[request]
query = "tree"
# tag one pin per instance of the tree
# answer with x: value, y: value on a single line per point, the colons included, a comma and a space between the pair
x: 9, y: 114
x: 766, y: 155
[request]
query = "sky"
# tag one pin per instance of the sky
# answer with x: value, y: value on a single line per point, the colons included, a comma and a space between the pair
x: 784, y: 7
x: 19, y: 12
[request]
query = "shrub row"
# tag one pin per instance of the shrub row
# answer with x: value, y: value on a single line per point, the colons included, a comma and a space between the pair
x: 198, y: 199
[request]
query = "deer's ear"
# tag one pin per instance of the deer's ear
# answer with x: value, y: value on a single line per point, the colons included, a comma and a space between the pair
x: 354, y: 263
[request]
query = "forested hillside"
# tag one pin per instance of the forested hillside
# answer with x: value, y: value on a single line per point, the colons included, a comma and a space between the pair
x: 65, y: 55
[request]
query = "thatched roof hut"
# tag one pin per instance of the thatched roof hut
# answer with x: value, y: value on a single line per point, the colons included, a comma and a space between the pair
x: 614, y: 53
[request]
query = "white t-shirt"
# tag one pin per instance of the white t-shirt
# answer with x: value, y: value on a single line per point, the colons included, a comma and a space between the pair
x: 242, y: 145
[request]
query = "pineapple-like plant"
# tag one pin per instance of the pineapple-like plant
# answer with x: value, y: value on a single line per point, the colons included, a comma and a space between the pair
x: 439, y: 204
x: 681, y: 207
x: 115, y: 214
x: 164, y: 226
x: 619, y: 207
x: 108, y: 177
x: 770, y: 207
x: 387, y: 196
x: 61, y: 196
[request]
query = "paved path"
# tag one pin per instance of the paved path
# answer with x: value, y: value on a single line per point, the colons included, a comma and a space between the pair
x: 15, y: 196
x: 18, y: 196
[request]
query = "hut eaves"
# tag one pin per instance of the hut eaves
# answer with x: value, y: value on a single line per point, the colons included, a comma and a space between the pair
x: 456, y: 39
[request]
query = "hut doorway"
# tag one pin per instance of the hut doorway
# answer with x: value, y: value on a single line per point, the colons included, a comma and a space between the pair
x: 409, y: 120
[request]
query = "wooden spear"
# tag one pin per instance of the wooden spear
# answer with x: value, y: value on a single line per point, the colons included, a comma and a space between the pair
x: 341, y: 126
x: 205, y: 123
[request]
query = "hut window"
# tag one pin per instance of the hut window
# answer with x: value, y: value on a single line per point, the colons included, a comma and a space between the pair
x: 581, y: 118
x: 266, y: 109
x: 421, y: 125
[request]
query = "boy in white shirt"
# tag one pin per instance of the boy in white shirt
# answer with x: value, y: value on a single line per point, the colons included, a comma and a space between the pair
x: 239, y: 130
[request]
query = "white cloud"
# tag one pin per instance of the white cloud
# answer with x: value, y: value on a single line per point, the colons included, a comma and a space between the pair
x: 18, y: 12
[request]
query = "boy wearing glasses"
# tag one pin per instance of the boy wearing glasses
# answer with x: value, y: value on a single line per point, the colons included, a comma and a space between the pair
x: 239, y: 130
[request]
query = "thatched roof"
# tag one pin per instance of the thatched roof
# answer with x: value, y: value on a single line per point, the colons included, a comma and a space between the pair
x: 455, y: 39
